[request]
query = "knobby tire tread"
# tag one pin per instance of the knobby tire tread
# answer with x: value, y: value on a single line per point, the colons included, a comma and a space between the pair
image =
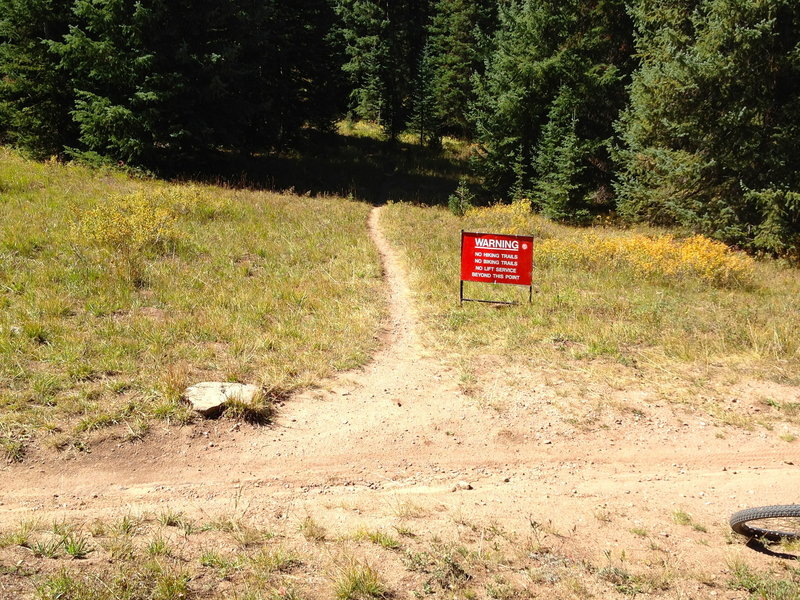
x: 745, y: 521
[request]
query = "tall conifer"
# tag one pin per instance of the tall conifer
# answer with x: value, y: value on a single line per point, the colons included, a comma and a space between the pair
x: 554, y: 82
x: 711, y: 136
x: 383, y: 41
x: 165, y: 83
x: 456, y: 34
x: 35, y: 92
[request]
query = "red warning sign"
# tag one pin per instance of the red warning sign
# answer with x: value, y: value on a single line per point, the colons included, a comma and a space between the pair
x: 496, y: 258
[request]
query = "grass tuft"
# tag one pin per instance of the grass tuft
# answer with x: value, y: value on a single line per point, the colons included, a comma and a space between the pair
x: 171, y: 518
x: 277, y: 560
x: 312, y: 531
x: 159, y: 546
x: 765, y: 586
x: 13, y: 450
x: 172, y: 586
x: 21, y: 535
x: 47, y: 548
x: 77, y: 546
x: 683, y: 518
x: 60, y: 586
x: 380, y: 538
x: 128, y: 525
x: 258, y: 411
x: 359, y: 581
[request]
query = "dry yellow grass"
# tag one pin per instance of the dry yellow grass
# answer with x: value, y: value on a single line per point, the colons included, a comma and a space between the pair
x: 658, y: 255
x: 696, y: 258
x: 633, y: 296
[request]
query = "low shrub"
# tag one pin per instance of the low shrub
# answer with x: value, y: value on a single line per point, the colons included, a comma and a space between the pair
x: 664, y: 256
x: 129, y: 229
x: 513, y: 218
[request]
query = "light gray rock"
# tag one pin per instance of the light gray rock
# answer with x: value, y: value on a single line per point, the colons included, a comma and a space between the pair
x: 208, y: 398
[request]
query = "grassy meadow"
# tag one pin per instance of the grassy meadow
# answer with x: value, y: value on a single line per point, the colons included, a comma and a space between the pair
x: 636, y: 298
x: 117, y: 292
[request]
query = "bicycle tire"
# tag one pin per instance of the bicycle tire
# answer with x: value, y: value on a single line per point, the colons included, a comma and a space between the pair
x: 773, y: 523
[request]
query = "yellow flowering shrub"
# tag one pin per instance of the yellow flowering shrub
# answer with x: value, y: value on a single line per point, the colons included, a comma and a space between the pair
x: 664, y: 256
x: 127, y: 229
x: 137, y: 221
x: 511, y: 218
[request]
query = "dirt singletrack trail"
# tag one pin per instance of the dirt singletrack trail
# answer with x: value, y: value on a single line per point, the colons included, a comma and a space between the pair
x: 402, y: 429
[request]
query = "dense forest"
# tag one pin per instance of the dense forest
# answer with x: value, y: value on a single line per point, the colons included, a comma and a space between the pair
x: 673, y: 112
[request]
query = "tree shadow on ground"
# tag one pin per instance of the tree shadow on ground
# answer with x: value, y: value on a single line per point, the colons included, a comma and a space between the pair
x: 366, y: 169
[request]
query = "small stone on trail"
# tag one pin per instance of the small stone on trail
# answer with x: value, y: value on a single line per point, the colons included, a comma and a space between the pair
x: 462, y: 485
x: 208, y: 398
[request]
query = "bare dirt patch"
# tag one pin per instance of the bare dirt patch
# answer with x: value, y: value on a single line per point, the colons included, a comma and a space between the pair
x: 591, y: 483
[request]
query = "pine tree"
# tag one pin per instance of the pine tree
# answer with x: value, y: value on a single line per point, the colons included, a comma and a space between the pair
x: 711, y: 136
x: 562, y: 61
x: 363, y: 31
x: 559, y: 162
x: 455, y: 54
x: 35, y: 93
x: 169, y: 83
x: 383, y: 41
x: 509, y: 109
x: 425, y: 121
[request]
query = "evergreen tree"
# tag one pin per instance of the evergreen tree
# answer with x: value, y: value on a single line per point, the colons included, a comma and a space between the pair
x: 454, y: 52
x: 166, y: 83
x: 711, y: 136
x: 363, y: 31
x: 383, y: 41
x: 35, y: 93
x: 509, y: 108
x: 559, y: 162
x: 425, y: 120
x: 566, y: 62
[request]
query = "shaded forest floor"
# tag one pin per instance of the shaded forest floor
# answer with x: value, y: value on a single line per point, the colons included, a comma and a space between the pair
x: 355, y: 160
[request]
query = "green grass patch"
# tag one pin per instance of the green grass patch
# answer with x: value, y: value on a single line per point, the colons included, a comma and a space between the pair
x: 681, y: 517
x: 380, y: 538
x: 359, y: 581
x: 765, y: 586
x: 116, y: 293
